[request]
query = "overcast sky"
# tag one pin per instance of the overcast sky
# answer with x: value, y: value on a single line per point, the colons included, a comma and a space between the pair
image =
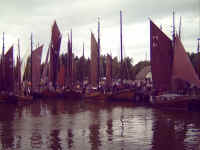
x: 18, y: 18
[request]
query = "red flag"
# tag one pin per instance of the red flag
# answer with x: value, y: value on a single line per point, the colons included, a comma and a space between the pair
x: 161, y: 53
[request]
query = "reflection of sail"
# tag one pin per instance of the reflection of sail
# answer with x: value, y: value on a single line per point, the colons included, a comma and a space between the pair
x: 94, y: 128
x: 55, y: 140
x: 109, y: 125
x: 161, y: 58
x: 6, y: 126
x: 94, y: 63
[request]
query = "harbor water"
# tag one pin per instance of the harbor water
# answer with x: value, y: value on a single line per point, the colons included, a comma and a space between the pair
x: 90, y: 125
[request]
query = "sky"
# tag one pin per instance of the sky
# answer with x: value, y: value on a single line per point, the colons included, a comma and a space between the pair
x: 20, y: 18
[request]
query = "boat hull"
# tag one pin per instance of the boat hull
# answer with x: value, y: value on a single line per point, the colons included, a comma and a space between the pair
x: 123, y: 95
x: 184, y: 102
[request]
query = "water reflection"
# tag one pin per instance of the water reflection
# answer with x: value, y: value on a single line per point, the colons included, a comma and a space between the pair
x: 72, y: 125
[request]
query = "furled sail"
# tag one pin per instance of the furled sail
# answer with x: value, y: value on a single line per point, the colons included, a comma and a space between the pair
x: 94, y: 63
x: 36, y: 61
x: 9, y: 71
x: 161, y: 54
x: 54, y: 53
x: 182, y: 66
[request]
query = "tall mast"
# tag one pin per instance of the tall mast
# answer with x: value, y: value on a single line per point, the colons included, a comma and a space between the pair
x: 179, y: 32
x: 198, y: 46
x: 121, y: 46
x: 31, y: 57
x: 98, y: 54
x: 71, y: 62
x: 83, y: 50
x: 19, y: 71
x: 2, y: 59
x: 173, y: 32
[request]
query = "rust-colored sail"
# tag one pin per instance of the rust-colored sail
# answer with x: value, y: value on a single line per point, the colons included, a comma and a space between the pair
x: 182, y: 67
x: 46, y: 66
x: 9, y: 71
x: 109, y: 71
x: 36, y: 61
x: 18, y: 75
x: 94, y: 63
x: 161, y: 54
x: 61, y: 76
x: 54, y: 53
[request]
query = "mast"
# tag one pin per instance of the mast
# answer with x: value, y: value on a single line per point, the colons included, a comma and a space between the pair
x: 19, y: 69
x: 173, y: 32
x: 98, y: 54
x: 198, y: 46
x: 179, y: 32
x: 71, y: 61
x: 121, y: 46
x: 3, y: 68
x: 31, y: 57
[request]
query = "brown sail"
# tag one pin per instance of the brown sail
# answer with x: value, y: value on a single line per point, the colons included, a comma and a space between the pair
x: 45, y: 70
x: 109, y: 71
x: 54, y: 53
x: 94, y: 63
x: 36, y: 61
x: 161, y: 55
x: 18, y: 75
x: 9, y: 71
x: 182, y: 66
x: 61, y: 76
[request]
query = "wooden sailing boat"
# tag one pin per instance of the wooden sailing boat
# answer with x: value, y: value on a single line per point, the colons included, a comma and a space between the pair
x: 174, y: 61
x: 71, y: 92
x: 94, y: 92
x: 7, y: 94
x: 121, y: 94
x: 54, y: 61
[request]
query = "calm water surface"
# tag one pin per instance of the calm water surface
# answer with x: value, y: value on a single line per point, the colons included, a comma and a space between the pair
x: 93, y: 125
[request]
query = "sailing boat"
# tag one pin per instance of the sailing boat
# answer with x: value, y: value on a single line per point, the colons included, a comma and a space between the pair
x: 7, y: 94
x: 94, y: 92
x: 122, y: 94
x: 54, y: 61
x: 71, y: 92
x: 168, y: 63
